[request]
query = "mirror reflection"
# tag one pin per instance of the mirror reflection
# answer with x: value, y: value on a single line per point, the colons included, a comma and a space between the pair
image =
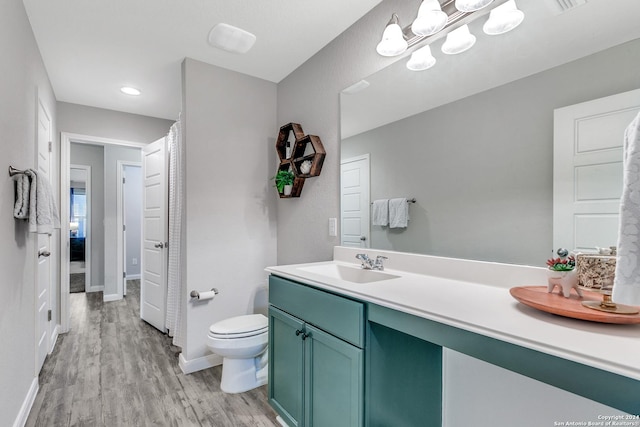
x: 471, y: 139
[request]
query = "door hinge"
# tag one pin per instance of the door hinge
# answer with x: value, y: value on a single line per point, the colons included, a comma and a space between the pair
x: 124, y: 227
x: 49, y: 315
x: 124, y: 180
x: 50, y: 146
x: 124, y: 274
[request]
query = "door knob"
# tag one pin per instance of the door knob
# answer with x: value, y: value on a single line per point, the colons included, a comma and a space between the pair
x: 44, y: 254
x: 363, y: 238
x: 159, y: 245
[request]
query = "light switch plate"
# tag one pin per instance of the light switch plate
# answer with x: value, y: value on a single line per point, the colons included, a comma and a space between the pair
x: 333, y: 227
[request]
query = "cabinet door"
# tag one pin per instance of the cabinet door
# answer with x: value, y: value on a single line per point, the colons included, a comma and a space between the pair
x: 286, y: 359
x: 333, y: 381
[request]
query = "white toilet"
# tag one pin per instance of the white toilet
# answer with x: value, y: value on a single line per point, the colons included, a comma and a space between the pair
x: 242, y: 342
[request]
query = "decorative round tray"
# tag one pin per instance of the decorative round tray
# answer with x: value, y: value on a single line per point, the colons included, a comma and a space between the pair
x: 538, y: 297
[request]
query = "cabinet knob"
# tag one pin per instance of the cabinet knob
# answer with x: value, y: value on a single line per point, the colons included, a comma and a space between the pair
x: 304, y: 334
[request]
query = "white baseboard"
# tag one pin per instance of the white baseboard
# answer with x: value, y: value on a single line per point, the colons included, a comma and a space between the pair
x: 133, y: 276
x: 111, y: 297
x: 54, y: 337
x: 97, y: 288
x: 21, y: 419
x: 194, y: 365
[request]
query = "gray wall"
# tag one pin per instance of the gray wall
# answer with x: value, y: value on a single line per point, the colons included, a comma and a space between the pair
x: 111, y: 124
x: 481, y: 168
x: 23, y: 79
x: 93, y: 155
x: 133, y: 219
x: 229, y: 132
x: 309, y: 96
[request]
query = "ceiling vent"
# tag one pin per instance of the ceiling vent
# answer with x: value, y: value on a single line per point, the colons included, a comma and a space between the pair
x: 561, y: 6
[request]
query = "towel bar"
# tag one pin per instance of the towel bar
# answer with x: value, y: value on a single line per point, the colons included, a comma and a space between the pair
x: 412, y: 200
x: 13, y: 171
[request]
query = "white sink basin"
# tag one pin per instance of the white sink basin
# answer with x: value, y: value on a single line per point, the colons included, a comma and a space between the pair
x: 349, y: 274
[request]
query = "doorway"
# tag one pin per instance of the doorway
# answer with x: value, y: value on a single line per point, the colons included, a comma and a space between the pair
x: 79, y: 228
x: 105, y: 271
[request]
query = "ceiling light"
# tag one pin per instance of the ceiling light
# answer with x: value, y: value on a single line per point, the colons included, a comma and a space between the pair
x: 393, y: 42
x: 471, y: 5
x: 230, y: 38
x: 430, y: 20
x: 503, y: 18
x: 421, y: 59
x: 130, y: 90
x: 458, y: 41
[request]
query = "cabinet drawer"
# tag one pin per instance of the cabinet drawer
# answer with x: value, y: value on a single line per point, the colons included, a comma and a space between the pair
x: 339, y: 316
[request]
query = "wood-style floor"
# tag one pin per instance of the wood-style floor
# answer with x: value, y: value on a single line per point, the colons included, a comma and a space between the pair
x: 112, y: 369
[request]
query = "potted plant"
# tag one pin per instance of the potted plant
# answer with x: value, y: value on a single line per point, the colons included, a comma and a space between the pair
x: 561, y: 274
x: 284, y: 181
x: 561, y: 264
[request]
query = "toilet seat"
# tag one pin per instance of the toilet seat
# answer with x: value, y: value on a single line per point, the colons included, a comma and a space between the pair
x: 240, y: 327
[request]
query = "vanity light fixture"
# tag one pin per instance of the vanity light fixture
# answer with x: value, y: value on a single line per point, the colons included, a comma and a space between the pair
x: 430, y: 20
x: 503, y: 18
x: 128, y: 90
x: 472, y: 5
x: 458, y: 41
x: 393, y: 42
x: 421, y: 59
x: 230, y: 38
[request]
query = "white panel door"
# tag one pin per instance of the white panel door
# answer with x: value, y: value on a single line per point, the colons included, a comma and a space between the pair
x: 153, y: 283
x: 354, y: 202
x: 43, y: 271
x: 587, y: 169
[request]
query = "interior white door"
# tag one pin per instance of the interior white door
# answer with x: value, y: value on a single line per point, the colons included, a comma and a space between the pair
x: 153, y: 283
x: 43, y: 270
x: 354, y: 202
x: 587, y: 168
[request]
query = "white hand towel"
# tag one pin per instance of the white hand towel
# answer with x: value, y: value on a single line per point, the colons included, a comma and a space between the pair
x: 398, y: 213
x: 43, y: 213
x: 21, y: 207
x: 380, y: 212
x: 626, y: 288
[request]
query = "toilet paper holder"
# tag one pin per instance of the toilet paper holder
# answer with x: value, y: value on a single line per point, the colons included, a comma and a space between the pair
x: 205, y: 295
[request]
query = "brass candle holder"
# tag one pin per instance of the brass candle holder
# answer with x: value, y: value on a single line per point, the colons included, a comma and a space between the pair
x: 596, y: 273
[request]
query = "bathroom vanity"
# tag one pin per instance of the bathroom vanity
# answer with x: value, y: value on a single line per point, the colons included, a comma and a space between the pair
x: 353, y: 347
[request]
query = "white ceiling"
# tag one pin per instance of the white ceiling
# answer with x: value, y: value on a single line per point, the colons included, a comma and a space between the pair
x: 91, y: 48
x: 544, y: 40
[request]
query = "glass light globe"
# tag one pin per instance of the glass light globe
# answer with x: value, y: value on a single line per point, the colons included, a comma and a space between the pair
x: 393, y: 42
x: 458, y: 41
x: 471, y: 5
x: 421, y: 59
x: 430, y: 20
x: 503, y: 18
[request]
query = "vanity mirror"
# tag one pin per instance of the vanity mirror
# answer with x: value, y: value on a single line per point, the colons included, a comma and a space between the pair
x: 472, y: 137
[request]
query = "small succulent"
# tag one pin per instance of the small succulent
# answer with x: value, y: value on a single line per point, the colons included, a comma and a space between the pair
x: 561, y: 264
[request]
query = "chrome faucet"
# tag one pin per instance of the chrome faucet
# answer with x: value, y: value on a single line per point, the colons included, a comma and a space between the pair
x: 379, y: 264
x: 369, y: 264
x: 366, y: 262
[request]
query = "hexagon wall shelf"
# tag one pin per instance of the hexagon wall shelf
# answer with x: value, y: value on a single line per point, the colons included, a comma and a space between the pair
x: 293, y: 153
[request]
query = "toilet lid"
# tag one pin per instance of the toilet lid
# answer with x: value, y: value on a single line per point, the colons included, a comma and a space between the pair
x: 240, y: 326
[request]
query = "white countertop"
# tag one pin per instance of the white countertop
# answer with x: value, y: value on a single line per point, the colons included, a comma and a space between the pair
x: 481, y: 306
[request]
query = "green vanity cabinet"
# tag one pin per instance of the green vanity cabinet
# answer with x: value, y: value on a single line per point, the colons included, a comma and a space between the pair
x: 316, y: 376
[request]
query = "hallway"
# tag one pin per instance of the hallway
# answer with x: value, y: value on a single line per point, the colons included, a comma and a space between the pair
x: 112, y: 369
